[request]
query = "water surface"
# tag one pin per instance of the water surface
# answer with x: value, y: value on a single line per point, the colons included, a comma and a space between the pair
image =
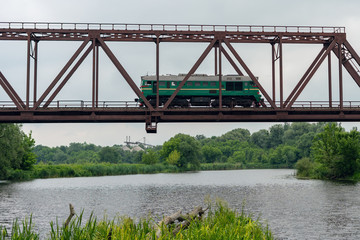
x: 294, y: 209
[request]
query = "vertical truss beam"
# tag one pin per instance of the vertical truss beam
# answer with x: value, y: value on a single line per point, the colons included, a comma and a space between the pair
x: 250, y: 74
x: 123, y: 72
x: 330, y: 80
x: 312, y: 65
x: 192, y: 70
x: 62, y: 72
x: 281, y: 73
x: 35, y: 57
x: 350, y: 60
x: 157, y: 71
x: 95, y: 74
x: 273, y: 77
x: 220, y: 76
x: 68, y: 76
x: 309, y: 74
x: 341, y: 91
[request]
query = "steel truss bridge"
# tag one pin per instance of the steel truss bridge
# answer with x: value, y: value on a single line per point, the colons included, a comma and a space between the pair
x: 221, y: 38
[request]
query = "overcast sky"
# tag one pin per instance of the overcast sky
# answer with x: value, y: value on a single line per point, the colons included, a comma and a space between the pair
x: 139, y: 58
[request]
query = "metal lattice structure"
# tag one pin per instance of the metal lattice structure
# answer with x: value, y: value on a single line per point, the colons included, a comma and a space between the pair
x: 222, y: 38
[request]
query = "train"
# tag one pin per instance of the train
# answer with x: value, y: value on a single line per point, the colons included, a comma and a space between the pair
x: 202, y: 90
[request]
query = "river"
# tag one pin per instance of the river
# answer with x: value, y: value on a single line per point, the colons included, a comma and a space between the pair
x: 293, y: 209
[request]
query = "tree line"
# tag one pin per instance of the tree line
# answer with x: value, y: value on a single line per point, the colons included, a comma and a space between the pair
x: 281, y: 146
x: 316, y: 149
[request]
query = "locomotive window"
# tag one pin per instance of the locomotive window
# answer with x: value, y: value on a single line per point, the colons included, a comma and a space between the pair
x: 173, y: 84
x: 189, y: 83
x: 148, y: 82
x: 229, y: 86
x: 197, y: 83
x: 205, y: 84
x: 238, y: 86
x: 212, y: 83
x: 162, y: 84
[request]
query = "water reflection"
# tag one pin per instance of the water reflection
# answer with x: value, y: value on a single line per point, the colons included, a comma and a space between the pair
x: 294, y: 209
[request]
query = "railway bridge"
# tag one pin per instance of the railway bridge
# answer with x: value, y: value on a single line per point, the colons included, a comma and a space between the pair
x: 44, y: 107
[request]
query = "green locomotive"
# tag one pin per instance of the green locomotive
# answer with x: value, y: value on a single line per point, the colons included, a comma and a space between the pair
x: 202, y: 90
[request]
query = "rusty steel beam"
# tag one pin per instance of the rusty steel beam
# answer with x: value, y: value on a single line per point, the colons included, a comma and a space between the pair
x: 11, y: 92
x: 348, y: 58
x: 168, y: 33
x: 341, y: 91
x: 231, y: 61
x: 62, y: 72
x: 333, y: 39
x: 124, y: 73
x: 311, y: 67
x: 329, y: 80
x: 183, y: 115
x: 311, y: 73
x: 192, y: 71
x: 68, y: 76
x: 251, y: 75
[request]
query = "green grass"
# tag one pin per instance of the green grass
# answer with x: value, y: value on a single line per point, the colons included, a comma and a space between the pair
x: 220, y: 223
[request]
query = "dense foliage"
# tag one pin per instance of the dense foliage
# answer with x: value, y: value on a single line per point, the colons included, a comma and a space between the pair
x: 15, y: 150
x: 335, y: 154
x: 281, y: 146
x: 220, y: 223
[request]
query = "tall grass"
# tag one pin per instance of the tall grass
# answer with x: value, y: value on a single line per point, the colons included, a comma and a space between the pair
x: 220, y: 223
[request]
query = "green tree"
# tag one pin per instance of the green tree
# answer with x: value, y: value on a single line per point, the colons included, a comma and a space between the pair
x: 276, y: 135
x: 28, y: 158
x: 238, y: 134
x: 211, y: 154
x: 187, y: 146
x: 284, y: 155
x: 261, y: 138
x: 173, y: 158
x: 150, y: 157
x: 336, y: 151
x: 15, y: 149
x: 109, y: 154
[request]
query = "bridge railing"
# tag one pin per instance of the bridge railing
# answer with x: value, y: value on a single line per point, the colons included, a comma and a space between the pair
x: 169, y: 27
x: 322, y: 104
x: 72, y: 104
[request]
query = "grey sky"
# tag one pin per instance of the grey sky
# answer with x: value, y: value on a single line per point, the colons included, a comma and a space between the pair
x: 138, y: 58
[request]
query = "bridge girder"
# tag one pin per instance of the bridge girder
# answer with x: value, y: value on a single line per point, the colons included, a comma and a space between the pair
x: 219, y: 37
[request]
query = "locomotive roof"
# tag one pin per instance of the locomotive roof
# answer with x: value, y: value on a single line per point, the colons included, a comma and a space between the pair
x: 197, y: 77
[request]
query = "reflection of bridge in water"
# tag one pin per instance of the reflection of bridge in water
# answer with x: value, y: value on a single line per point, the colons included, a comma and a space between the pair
x: 221, y: 38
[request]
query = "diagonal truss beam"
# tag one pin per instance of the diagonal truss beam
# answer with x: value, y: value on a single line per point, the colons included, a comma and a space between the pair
x: 62, y: 72
x: 311, y: 73
x: 68, y: 76
x: 231, y: 61
x: 249, y: 73
x: 192, y: 70
x: 349, y: 61
x: 11, y: 92
x: 305, y: 75
x: 123, y: 72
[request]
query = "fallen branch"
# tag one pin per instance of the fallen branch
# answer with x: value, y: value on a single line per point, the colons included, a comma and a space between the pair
x: 183, y: 220
x: 72, y: 213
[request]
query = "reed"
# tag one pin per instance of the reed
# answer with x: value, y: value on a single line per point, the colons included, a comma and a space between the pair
x: 221, y: 222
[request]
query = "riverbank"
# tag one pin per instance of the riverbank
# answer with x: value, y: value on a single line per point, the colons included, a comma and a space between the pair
x: 108, y: 169
x: 219, y: 223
